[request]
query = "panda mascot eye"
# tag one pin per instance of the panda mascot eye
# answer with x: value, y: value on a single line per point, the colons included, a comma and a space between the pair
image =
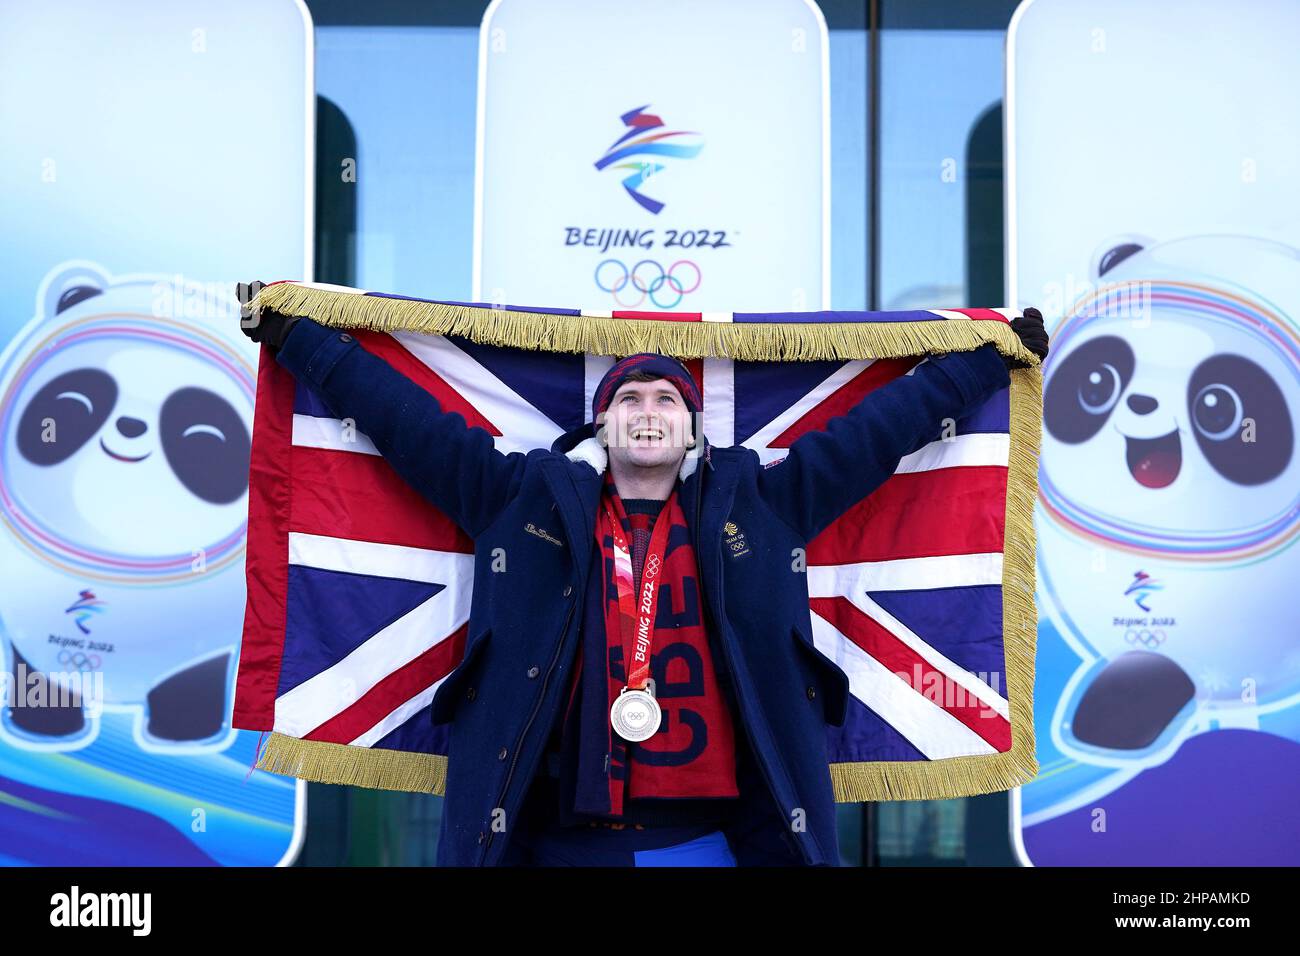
x: 76, y: 404
x: 1100, y: 389
x: 1227, y: 393
x: 206, y: 443
x: 1216, y: 411
x: 1085, y: 386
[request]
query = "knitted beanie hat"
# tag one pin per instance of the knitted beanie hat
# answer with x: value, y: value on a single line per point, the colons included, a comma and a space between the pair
x: 662, y: 366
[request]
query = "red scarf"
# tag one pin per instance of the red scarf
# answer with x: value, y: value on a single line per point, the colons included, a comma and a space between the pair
x: 694, y: 753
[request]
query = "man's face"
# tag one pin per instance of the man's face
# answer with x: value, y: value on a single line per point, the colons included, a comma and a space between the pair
x: 647, y: 424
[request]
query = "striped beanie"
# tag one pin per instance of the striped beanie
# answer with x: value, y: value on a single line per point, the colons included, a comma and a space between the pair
x: 661, y: 366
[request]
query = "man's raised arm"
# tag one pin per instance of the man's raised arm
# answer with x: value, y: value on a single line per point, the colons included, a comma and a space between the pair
x: 457, y: 468
x: 828, y: 472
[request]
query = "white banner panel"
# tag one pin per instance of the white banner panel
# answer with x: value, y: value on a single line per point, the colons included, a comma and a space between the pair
x: 664, y: 156
x: 1153, y: 216
x: 152, y: 155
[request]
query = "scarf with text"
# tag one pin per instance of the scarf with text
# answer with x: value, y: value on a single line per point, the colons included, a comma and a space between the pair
x: 693, y: 754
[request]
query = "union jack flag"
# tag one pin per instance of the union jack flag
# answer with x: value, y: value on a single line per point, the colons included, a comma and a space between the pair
x: 359, y: 588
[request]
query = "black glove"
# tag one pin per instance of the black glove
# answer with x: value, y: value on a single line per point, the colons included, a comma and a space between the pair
x: 271, y: 328
x: 1033, y: 334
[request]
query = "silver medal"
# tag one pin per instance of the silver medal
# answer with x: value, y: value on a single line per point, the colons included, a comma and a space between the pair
x: 635, y: 714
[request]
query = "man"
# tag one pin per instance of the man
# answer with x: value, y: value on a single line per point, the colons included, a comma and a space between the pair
x: 633, y: 691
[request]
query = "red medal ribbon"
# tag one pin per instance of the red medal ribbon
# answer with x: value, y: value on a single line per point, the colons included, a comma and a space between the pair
x: 637, y: 616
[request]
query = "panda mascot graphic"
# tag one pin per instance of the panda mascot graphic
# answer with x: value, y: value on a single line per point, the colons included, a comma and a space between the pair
x: 125, y: 418
x: 1169, y: 495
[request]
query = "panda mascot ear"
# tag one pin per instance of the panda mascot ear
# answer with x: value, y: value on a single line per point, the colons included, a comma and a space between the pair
x: 1114, y: 251
x: 69, y: 284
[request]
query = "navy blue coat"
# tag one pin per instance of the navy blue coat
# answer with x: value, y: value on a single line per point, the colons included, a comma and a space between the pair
x: 523, y: 636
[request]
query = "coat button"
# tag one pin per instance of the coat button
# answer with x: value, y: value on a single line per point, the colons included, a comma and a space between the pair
x: 568, y: 589
x: 533, y: 671
x: 344, y: 337
x: 812, y: 693
x: 501, y: 754
x: 471, y: 694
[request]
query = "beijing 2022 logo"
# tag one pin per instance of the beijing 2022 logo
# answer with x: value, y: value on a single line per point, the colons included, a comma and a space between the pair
x: 659, y: 273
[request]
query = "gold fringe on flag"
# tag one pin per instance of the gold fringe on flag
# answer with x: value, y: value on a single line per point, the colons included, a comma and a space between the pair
x: 553, y: 332
x: 759, y: 341
x: 323, y: 762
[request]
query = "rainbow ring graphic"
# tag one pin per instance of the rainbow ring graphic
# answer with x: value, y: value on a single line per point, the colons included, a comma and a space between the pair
x: 79, y: 559
x: 1236, y: 546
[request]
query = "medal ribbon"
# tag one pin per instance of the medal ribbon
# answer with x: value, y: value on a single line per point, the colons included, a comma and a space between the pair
x: 637, y: 617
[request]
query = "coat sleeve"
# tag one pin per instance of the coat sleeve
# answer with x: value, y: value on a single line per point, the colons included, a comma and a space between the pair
x: 828, y: 472
x: 455, y: 467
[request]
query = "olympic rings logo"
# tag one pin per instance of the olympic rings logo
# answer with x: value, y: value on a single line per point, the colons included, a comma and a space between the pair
x: 1145, y: 637
x: 82, y: 662
x: 652, y: 565
x: 647, y: 277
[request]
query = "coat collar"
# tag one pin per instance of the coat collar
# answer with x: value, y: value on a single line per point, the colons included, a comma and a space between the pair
x: 577, y: 490
x: 595, y: 454
x: 581, y: 444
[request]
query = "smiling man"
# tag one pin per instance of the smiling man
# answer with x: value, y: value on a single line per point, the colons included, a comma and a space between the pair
x: 639, y: 686
x: 652, y: 425
x: 648, y: 730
